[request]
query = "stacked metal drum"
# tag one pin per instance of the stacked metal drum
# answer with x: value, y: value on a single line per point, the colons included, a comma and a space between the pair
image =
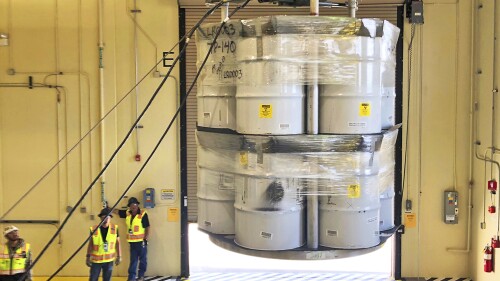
x: 259, y: 165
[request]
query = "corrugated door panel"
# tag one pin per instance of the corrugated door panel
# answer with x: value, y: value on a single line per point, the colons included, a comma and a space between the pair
x: 193, y: 14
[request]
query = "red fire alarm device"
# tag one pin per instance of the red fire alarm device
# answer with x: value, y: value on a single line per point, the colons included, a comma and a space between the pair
x: 492, y: 186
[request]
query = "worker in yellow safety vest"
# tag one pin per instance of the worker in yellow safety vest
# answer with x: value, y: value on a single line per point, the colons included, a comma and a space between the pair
x: 15, y: 256
x: 104, y: 248
x: 137, y: 236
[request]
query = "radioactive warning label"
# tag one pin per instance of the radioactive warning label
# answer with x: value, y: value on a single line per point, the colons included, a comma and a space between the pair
x: 243, y: 158
x: 353, y: 191
x: 265, y: 111
x: 364, y: 109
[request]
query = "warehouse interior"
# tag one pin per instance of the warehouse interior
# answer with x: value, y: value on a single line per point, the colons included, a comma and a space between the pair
x: 76, y: 75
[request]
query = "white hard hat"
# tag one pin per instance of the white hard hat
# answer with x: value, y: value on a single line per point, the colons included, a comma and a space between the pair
x: 9, y: 229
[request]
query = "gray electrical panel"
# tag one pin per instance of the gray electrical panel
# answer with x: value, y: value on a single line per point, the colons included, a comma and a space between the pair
x: 451, y: 207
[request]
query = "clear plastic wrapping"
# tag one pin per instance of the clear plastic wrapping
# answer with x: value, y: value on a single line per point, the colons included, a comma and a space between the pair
x: 222, y: 56
x: 286, y: 144
x: 256, y: 183
x: 298, y: 49
x: 331, y: 165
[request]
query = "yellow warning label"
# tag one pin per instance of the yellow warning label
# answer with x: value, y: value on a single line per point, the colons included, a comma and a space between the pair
x: 410, y: 220
x: 173, y: 214
x: 265, y: 111
x: 353, y: 191
x: 364, y: 109
x: 243, y: 158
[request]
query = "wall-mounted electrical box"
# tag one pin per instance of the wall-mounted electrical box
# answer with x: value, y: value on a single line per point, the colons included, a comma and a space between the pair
x: 149, y: 198
x: 451, y: 207
x: 415, y: 11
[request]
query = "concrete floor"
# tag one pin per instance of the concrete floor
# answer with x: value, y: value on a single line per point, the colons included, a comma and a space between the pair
x: 204, y: 256
x: 209, y: 262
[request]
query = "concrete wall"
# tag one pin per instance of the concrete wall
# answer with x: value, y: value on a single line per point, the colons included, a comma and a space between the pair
x: 438, y: 139
x: 485, y: 131
x: 56, y: 43
x: 451, y: 105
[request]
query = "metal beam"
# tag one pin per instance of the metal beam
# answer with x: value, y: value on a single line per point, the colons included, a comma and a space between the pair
x: 201, y: 3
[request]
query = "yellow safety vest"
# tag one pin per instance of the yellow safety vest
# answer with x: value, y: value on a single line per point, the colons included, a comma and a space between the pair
x: 15, y: 264
x: 100, y: 252
x: 135, y: 230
